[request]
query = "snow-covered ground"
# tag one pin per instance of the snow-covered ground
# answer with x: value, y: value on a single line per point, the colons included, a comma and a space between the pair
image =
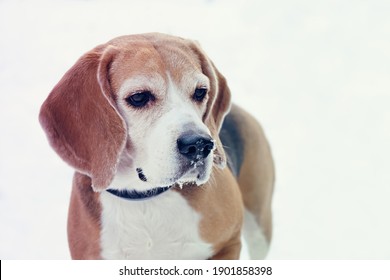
x: 315, y: 73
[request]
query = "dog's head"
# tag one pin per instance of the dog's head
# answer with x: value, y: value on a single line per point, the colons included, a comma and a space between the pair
x: 139, y: 112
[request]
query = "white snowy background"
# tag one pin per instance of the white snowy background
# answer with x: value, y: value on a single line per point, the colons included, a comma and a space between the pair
x: 316, y: 74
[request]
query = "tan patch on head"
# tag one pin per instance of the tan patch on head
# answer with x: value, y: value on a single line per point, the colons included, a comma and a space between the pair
x: 142, y: 61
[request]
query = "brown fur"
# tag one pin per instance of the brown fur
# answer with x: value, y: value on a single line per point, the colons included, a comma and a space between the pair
x: 84, y: 220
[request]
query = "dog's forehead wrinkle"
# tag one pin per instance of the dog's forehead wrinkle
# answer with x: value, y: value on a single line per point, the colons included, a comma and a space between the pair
x: 177, y: 54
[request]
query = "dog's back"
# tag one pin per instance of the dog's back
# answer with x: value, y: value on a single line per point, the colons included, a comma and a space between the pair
x: 250, y: 160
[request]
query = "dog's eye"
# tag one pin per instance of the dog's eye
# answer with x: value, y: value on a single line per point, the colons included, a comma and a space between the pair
x: 200, y: 93
x: 139, y: 99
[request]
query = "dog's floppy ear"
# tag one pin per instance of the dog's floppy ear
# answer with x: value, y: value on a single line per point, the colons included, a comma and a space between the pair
x: 81, y: 120
x: 219, y: 102
x: 222, y: 102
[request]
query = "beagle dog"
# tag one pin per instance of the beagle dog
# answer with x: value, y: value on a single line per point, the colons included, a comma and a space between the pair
x: 147, y: 123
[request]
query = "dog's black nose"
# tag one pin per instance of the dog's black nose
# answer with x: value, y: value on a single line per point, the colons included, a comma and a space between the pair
x: 195, y: 147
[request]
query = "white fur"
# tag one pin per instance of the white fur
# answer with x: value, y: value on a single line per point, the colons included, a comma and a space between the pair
x: 165, y: 227
x: 257, y: 244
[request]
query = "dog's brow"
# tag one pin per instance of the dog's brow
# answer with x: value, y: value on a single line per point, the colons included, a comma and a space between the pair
x: 203, y: 80
x: 142, y: 82
x: 190, y: 82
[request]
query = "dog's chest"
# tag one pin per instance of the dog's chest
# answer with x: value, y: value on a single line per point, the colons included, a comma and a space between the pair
x: 165, y: 227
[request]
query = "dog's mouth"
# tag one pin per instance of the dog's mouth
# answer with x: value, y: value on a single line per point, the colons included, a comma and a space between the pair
x: 195, y: 175
x: 195, y: 172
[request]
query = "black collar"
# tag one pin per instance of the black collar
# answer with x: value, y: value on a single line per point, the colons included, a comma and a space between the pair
x: 137, y: 195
